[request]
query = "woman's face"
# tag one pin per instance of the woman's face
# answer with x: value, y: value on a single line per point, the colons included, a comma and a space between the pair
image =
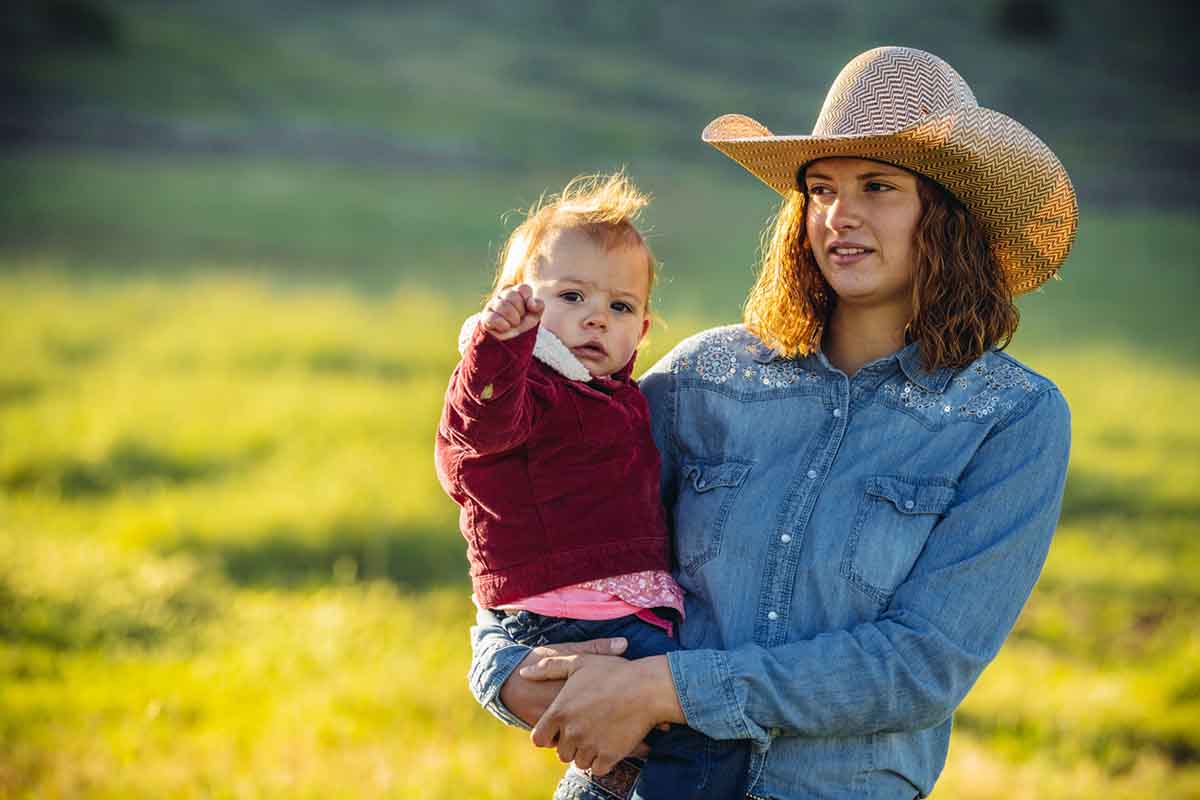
x: 861, y: 220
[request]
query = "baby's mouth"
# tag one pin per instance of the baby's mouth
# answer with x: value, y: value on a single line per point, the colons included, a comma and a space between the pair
x: 590, y: 350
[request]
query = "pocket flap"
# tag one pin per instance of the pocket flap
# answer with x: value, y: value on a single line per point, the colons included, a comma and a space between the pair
x: 709, y: 476
x: 911, y: 497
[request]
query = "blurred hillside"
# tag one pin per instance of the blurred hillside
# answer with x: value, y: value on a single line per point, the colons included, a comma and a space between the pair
x: 489, y: 84
x: 381, y: 144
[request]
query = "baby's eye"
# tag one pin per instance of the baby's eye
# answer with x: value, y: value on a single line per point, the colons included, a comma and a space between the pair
x: 623, y: 308
x: 572, y: 296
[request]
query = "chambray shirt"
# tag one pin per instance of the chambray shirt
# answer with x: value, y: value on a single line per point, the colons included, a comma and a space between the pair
x: 854, y: 551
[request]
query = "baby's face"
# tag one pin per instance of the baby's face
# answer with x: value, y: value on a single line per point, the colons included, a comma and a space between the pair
x: 595, y: 299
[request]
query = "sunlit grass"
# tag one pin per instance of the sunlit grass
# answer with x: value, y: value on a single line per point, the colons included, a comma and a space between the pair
x: 226, y: 568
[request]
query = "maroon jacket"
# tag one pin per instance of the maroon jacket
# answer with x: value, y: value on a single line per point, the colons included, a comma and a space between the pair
x: 557, y: 478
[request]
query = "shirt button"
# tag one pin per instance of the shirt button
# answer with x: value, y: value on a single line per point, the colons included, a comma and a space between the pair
x: 812, y: 473
x: 837, y: 412
x: 700, y: 484
x: 909, y: 504
x: 772, y: 616
x: 787, y: 537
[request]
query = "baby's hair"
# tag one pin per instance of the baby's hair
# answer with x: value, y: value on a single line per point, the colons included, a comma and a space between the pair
x: 603, y: 207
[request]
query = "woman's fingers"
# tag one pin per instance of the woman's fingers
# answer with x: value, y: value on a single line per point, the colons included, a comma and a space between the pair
x: 557, y: 662
x: 566, y: 753
x: 585, y: 757
x: 546, y: 733
x: 602, y: 765
x: 553, y: 668
x: 603, y: 710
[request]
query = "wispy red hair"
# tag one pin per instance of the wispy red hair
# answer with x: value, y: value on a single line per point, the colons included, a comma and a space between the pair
x: 603, y: 207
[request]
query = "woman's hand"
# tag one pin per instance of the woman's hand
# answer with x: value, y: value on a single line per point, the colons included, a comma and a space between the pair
x: 606, y: 707
x: 529, y: 698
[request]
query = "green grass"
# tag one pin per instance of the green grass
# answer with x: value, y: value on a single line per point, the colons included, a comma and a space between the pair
x: 226, y: 568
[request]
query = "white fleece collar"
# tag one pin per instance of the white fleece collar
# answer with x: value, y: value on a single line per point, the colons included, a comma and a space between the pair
x: 548, y: 349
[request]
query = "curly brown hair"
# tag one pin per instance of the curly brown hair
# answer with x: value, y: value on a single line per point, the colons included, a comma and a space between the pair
x: 962, y: 304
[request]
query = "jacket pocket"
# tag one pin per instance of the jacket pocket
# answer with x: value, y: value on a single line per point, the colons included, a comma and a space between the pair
x: 894, y: 519
x: 705, y: 498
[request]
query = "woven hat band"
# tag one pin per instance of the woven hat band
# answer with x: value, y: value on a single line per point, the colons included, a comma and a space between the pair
x: 888, y: 89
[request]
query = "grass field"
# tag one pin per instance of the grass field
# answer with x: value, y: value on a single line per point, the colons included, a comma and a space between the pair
x: 226, y: 568
x: 235, y: 248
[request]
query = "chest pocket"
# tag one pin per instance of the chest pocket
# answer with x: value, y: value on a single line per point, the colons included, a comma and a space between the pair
x: 894, y: 519
x: 705, y: 498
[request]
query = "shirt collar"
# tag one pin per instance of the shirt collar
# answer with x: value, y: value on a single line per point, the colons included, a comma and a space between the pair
x: 908, y: 357
x: 910, y: 363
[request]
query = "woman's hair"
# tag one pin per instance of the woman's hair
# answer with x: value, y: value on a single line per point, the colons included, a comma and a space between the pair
x: 603, y: 207
x: 961, y: 303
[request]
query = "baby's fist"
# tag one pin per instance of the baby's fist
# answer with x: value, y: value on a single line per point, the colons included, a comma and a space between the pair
x: 512, y: 312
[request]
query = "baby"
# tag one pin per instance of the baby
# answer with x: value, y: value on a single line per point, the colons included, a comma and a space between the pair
x: 545, y: 444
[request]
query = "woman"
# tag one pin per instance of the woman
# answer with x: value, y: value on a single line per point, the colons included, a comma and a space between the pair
x: 862, y: 487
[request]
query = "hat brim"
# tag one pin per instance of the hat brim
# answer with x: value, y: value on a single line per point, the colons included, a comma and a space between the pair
x: 1005, y: 175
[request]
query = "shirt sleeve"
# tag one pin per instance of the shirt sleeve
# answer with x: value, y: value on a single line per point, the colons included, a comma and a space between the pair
x: 494, y: 657
x: 490, y: 407
x: 659, y: 388
x: 910, y: 668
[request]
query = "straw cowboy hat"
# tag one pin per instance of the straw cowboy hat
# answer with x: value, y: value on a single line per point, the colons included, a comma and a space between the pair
x: 911, y: 109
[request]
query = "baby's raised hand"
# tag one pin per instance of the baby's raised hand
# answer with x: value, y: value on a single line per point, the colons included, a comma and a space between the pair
x: 512, y: 312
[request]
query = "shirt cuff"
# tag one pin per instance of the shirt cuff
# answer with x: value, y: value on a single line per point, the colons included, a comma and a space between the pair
x: 488, y: 676
x: 705, y: 687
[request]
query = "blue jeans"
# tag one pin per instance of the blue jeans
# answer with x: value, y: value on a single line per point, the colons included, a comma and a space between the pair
x: 682, y: 762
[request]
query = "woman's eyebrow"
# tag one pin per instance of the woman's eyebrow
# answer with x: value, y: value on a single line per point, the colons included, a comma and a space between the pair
x: 862, y: 176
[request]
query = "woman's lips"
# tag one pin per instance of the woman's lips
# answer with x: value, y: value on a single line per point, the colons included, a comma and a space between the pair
x: 847, y: 255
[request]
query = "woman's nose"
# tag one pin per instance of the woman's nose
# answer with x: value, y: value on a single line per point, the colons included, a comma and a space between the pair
x: 843, y: 213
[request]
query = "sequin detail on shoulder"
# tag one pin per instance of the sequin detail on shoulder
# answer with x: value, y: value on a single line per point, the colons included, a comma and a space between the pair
x: 990, y: 385
x: 714, y: 358
x: 995, y: 380
x: 913, y: 396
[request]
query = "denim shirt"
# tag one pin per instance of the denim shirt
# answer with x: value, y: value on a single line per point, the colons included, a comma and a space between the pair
x: 854, y: 551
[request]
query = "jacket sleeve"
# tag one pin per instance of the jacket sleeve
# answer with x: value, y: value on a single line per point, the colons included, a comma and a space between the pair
x: 490, y: 406
x: 910, y: 668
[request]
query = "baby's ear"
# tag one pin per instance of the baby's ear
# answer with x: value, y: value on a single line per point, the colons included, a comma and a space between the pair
x: 645, y: 327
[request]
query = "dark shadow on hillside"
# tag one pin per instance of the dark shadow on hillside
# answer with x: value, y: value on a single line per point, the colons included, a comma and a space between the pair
x: 133, y: 614
x: 76, y: 352
x: 18, y: 392
x: 412, y: 557
x: 129, y: 464
x: 330, y: 361
x: 1090, y: 495
x: 1110, y: 745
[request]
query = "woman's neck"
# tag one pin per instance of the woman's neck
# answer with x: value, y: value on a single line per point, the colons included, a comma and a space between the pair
x: 855, y: 337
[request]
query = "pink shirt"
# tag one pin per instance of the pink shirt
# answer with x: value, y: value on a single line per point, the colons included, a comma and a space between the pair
x: 633, y: 593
